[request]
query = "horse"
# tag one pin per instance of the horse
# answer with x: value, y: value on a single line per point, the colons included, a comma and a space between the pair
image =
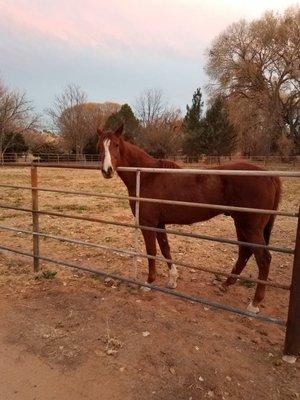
x: 227, y: 190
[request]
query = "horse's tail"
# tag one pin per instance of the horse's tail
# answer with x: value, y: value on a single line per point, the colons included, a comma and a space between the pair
x: 269, y: 226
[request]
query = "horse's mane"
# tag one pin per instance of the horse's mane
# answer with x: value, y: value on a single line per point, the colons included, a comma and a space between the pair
x: 167, y: 164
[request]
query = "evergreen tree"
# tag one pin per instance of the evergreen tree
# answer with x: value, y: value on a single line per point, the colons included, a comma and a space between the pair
x: 213, y: 134
x: 14, y: 143
x: 192, y: 119
x: 126, y: 116
x: 91, y: 146
x: 218, y: 136
x: 193, y: 124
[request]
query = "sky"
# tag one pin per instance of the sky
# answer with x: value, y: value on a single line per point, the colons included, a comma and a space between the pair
x: 114, y: 49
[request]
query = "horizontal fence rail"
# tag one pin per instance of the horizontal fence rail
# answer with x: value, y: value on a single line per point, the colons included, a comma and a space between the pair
x: 149, y: 228
x: 292, y: 344
x: 188, y: 171
x: 185, y: 159
x: 159, y: 201
x: 48, y: 157
x: 147, y: 256
x: 196, y: 299
x: 287, y: 174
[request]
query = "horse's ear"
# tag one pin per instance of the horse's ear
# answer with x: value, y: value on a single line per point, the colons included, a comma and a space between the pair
x: 99, y: 131
x: 120, y: 130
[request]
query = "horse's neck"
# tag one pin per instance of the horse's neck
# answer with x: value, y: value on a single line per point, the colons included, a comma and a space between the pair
x: 133, y: 156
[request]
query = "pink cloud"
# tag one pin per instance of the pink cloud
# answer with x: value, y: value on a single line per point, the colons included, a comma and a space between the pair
x: 179, y: 26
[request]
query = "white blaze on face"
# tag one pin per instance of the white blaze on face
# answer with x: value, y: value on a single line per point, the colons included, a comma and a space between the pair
x: 107, y: 158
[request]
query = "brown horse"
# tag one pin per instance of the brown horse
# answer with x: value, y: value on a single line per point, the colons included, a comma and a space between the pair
x: 228, y: 190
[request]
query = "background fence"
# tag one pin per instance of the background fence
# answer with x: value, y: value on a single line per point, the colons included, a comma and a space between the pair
x: 288, y: 161
x: 292, y: 341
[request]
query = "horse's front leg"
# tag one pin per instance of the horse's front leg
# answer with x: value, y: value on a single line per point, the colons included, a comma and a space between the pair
x: 150, y: 242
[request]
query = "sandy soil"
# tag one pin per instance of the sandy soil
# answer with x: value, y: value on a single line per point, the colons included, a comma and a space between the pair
x: 73, y: 335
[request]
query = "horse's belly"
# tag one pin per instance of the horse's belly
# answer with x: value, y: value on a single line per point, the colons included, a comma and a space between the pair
x: 186, y: 215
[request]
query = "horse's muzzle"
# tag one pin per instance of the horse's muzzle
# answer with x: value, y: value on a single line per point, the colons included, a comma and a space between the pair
x: 108, y: 174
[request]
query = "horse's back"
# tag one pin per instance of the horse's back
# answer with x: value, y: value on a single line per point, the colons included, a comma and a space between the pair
x: 162, y: 163
x: 248, y: 190
x: 240, y: 166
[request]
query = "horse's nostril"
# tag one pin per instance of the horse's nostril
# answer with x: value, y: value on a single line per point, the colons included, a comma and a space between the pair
x: 107, y: 173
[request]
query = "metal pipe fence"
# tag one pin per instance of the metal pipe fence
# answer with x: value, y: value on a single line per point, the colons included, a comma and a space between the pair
x: 287, y: 174
x: 193, y: 298
x: 292, y: 342
x: 150, y: 228
x: 49, y: 157
x: 160, y: 201
x: 147, y: 256
x: 291, y: 160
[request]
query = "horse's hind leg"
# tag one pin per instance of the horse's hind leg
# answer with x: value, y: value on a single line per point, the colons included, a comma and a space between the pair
x: 163, y: 242
x: 244, y: 254
x: 252, y: 231
x: 150, y: 242
x: 263, y: 260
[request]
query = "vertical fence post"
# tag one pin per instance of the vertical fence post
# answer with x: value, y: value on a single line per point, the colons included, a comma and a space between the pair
x: 35, y: 219
x: 292, y: 337
x: 137, y: 221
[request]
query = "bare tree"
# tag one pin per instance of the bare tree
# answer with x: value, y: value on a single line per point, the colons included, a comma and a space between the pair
x: 68, y: 118
x: 256, y: 64
x: 163, y: 137
x: 76, y: 120
x: 96, y: 114
x: 286, y: 146
x: 255, y: 137
x: 150, y: 106
x: 106, y: 109
x: 160, y: 132
x: 16, y: 117
x: 43, y: 142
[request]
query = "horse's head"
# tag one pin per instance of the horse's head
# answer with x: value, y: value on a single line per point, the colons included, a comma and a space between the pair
x: 109, y: 149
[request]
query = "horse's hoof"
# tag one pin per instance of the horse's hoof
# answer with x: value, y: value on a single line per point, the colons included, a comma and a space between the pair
x: 289, y: 359
x: 145, y: 288
x: 171, y: 285
x: 252, y: 308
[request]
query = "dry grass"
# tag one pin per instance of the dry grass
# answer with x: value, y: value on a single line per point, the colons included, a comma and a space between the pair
x: 190, y: 250
x: 120, y: 342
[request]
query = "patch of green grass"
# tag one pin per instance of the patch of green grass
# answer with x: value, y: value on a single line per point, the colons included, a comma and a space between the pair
x: 247, y: 284
x: 17, y: 200
x: 103, y: 207
x: 9, y: 215
x: 122, y: 203
x: 109, y: 239
x: 52, y: 230
x: 70, y: 207
x: 218, y: 278
x: 47, y: 274
x: 14, y: 263
x: 97, y: 277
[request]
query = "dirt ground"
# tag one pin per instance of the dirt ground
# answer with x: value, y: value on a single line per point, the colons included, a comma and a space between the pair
x: 66, y: 334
